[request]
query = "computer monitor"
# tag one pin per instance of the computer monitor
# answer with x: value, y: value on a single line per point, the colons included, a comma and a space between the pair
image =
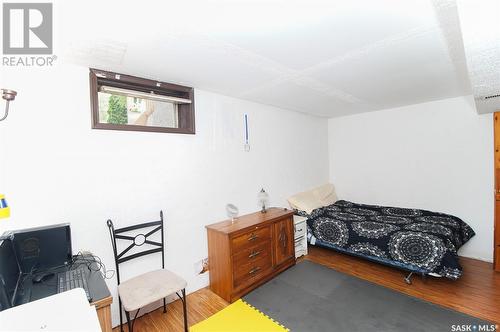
x: 10, y: 273
x: 43, y: 248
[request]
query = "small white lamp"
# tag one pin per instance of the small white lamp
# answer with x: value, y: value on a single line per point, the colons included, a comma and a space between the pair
x: 263, y: 198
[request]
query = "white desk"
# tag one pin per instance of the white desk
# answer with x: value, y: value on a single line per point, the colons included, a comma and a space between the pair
x: 67, y: 311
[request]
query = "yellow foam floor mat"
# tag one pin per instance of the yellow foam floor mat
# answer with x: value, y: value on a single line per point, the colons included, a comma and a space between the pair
x: 238, y: 317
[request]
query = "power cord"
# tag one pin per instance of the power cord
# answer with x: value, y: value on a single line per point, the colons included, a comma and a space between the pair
x: 93, y: 263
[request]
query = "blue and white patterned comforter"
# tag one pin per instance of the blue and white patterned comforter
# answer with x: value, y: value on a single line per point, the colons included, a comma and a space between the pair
x: 417, y: 240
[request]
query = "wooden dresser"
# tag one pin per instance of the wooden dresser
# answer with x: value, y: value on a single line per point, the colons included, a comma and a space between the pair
x: 245, y: 254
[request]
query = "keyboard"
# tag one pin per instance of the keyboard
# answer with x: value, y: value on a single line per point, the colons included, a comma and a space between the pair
x: 76, y: 278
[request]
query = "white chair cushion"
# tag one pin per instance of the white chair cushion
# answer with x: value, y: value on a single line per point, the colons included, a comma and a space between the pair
x: 149, y: 287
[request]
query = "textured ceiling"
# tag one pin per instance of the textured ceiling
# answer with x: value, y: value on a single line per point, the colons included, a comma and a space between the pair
x: 327, y: 58
x: 480, y: 24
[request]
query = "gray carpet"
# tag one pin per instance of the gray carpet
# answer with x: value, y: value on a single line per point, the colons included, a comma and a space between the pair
x: 311, y: 297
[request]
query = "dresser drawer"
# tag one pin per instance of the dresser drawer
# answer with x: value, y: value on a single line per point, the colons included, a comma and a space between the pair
x: 250, y: 239
x: 300, y: 229
x: 252, y: 253
x: 299, y: 251
x: 252, y: 270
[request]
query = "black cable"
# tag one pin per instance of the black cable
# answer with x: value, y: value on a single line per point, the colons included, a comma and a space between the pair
x: 93, y: 263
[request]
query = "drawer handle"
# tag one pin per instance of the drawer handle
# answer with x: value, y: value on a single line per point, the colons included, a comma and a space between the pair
x: 254, y: 254
x: 299, y: 230
x: 253, y: 237
x: 254, y: 270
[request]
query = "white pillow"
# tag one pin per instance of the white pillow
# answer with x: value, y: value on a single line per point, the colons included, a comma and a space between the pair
x: 312, y: 199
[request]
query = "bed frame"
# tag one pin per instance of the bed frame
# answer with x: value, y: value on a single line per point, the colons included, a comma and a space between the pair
x: 405, y: 267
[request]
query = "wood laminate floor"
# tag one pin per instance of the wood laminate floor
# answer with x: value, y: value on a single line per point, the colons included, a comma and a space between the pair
x: 201, y: 304
x: 476, y: 293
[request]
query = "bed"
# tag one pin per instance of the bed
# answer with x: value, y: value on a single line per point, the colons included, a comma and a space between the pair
x: 418, y: 241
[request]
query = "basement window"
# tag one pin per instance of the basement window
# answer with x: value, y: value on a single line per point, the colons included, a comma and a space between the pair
x: 124, y: 102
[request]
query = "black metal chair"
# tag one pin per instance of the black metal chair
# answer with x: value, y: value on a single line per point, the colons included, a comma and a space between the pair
x: 149, y: 287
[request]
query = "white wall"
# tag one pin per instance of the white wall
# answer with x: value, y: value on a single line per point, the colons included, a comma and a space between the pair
x: 54, y: 168
x: 437, y: 156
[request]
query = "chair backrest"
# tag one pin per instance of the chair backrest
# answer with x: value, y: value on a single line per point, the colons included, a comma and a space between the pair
x: 136, y: 241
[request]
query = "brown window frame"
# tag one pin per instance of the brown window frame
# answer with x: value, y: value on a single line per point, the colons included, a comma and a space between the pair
x: 102, y: 77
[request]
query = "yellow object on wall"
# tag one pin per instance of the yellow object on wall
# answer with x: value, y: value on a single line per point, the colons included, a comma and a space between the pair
x: 238, y: 317
x: 4, y: 207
